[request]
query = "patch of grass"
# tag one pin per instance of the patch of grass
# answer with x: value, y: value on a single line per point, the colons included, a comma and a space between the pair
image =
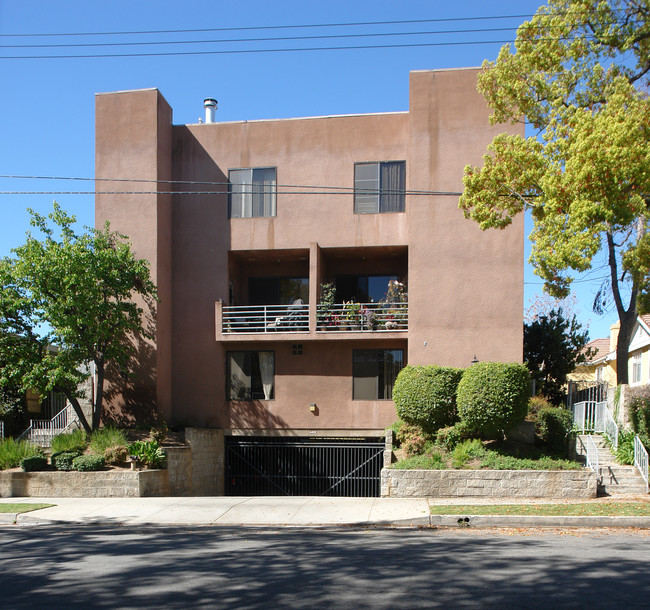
x: 102, y: 439
x: 431, y: 461
x: 465, y: 452
x: 600, y: 509
x: 74, y: 440
x: 22, y: 508
x: 12, y: 452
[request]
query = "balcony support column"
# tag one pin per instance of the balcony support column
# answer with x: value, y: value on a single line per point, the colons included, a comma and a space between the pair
x: 315, y: 269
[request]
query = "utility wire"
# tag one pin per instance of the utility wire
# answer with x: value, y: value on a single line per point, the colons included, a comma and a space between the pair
x: 267, y: 39
x: 273, y: 27
x: 256, y: 51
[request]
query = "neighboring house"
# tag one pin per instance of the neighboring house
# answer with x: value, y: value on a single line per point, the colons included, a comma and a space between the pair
x: 251, y: 218
x: 602, y: 367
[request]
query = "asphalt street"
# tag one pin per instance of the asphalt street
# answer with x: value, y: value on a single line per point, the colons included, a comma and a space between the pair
x: 241, y: 567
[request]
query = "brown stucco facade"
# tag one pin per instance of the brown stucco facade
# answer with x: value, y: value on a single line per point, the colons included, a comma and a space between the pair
x: 465, y: 286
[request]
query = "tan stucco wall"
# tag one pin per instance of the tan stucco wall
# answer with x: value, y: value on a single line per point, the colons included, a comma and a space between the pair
x: 465, y: 286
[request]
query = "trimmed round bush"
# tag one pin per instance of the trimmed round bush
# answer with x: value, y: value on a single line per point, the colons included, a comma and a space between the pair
x: 87, y: 463
x: 554, y: 425
x: 493, y: 397
x: 63, y: 459
x: 426, y: 395
x: 33, y: 463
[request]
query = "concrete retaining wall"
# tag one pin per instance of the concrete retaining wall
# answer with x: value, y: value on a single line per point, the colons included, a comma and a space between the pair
x: 579, y: 484
x: 207, y: 461
x: 109, y: 484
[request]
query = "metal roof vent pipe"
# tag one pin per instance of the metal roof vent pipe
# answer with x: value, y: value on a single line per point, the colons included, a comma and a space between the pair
x: 210, y: 106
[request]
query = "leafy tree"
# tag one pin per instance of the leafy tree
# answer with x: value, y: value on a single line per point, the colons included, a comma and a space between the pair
x: 580, y: 75
x: 553, y: 346
x: 66, y: 304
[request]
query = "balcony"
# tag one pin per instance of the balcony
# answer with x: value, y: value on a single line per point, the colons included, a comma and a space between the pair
x: 336, y: 320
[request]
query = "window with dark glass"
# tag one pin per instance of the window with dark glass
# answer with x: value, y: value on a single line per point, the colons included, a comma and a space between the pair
x: 374, y: 372
x: 250, y: 375
x: 251, y: 192
x: 362, y: 288
x: 379, y: 187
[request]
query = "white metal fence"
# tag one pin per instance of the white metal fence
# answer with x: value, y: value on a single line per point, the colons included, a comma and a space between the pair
x: 641, y: 460
x: 350, y: 317
x: 42, y: 431
x: 591, y: 416
x: 2, y: 429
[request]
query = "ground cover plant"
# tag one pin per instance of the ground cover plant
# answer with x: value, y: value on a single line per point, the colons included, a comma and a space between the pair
x: 584, y: 509
x: 12, y: 452
x: 75, y: 440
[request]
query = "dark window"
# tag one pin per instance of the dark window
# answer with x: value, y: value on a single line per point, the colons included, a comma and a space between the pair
x: 362, y: 288
x: 374, y: 372
x: 379, y: 187
x: 277, y: 290
x: 296, y: 349
x: 250, y: 375
x: 252, y: 192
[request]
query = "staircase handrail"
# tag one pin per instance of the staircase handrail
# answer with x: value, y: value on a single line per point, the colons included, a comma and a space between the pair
x: 641, y: 460
x: 591, y: 452
x: 610, y: 427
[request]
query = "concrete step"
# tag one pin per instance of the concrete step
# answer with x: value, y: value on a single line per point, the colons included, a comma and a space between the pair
x: 613, y: 490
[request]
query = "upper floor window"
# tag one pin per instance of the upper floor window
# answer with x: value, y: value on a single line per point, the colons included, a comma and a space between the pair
x: 636, y: 368
x: 374, y: 372
x: 252, y: 192
x: 250, y: 375
x: 379, y: 187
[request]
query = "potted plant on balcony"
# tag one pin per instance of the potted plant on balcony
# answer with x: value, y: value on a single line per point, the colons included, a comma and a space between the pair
x: 352, y: 315
x: 326, y: 306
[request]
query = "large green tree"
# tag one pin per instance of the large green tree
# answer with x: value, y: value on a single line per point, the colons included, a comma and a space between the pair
x: 67, y: 307
x: 579, y: 76
x: 553, y: 345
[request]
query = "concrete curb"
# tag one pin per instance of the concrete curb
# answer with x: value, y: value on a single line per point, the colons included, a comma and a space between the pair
x: 8, y: 518
x: 536, y: 521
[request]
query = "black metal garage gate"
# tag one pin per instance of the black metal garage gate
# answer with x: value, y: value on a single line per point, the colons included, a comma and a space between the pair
x: 303, y: 466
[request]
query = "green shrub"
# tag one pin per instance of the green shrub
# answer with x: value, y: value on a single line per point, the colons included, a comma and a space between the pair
x: 412, y: 439
x: 88, y: 463
x: 159, y: 433
x: 104, y: 438
x: 426, y: 396
x: 147, y: 452
x: 554, y: 426
x: 12, y: 451
x: 75, y: 440
x: 116, y: 456
x: 493, y: 397
x: 430, y: 461
x: 449, y: 437
x: 535, y: 405
x: 639, y: 410
x: 467, y: 451
x: 33, y: 463
x: 63, y: 459
x: 624, y: 453
x: 495, y: 461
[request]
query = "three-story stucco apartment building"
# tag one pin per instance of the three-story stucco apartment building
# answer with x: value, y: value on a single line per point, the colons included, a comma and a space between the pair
x: 249, y: 226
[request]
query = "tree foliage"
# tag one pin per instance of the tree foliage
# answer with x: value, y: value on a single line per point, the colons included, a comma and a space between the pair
x: 579, y: 74
x: 67, y: 305
x: 553, y: 345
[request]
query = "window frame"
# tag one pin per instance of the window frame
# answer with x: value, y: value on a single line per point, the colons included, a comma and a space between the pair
x: 248, y: 188
x: 377, y: 189
x: 250, y: 397
x: 637, y: 369
x: 378, y: 373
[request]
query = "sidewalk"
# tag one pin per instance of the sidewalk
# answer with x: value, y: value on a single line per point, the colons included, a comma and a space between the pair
x: 286, y: 511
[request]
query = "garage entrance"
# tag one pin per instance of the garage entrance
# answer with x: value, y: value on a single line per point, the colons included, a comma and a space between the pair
x: 303, y: 466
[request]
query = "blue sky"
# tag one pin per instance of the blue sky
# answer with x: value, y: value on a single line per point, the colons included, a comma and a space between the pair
x: 47, y: 105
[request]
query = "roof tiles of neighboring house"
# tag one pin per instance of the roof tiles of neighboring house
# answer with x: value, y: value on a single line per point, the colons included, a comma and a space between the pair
x: 601, y: 346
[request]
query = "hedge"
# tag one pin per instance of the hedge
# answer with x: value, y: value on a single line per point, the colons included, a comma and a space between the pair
x: 426, y: 396
x: 492, y: 397
x: 554, y: 426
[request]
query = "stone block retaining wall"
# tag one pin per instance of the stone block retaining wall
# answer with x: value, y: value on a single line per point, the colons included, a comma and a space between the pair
x: 578, y: 484
x: 109, y: 484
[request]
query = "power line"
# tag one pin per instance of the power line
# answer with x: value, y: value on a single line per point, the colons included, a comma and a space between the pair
x: 267, y: 39
x: 256, y: 51
x: 272, y: 27
x: 342, y: 190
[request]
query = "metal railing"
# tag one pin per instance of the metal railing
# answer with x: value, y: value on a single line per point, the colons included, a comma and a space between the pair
x: 266, y: 318
x: 590, y: 452
x: 353, y: 317
x: 641, y: 460
x: 42, y: 431
x: 2, y: 429
x: 591, y: 416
